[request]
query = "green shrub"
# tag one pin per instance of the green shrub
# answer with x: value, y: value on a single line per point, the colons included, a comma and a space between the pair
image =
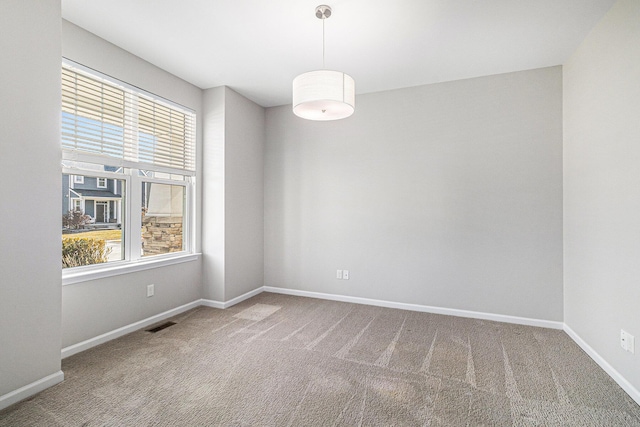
x: 77, y: 251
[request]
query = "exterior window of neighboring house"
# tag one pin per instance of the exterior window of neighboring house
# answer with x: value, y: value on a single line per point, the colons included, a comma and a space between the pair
x: 137, y: 153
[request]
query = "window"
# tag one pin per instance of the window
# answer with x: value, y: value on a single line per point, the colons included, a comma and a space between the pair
x: 134, y: 153
x: 77, y: 204
x: 163, y: 207
x: 104, y: 118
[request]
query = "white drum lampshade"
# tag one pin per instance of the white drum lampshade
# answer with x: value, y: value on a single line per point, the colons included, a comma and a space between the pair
x: 324, y: 95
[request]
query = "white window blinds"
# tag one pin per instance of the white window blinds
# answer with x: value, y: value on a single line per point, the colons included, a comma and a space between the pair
x: 116, y: 124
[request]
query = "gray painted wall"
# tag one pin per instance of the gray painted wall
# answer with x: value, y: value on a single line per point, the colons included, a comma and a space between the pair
x: 244, y: 195
x: 30, y: 247
x: 213, y: 211
x: 233, y: 234
x: 95, y: 307
x: 602, y: 191
x: 446, y: 195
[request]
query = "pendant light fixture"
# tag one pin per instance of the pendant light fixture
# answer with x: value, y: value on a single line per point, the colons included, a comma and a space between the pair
x: 324, y: 94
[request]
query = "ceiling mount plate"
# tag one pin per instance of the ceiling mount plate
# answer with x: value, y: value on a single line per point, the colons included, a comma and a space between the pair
x: 323, y: 11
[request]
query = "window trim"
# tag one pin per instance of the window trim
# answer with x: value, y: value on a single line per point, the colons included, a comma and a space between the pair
x: 73, y: 204
x: 98, y: 178
x: 74, y: 275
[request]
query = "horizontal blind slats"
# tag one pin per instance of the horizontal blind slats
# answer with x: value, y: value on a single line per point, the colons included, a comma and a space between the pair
x: 101, y: 118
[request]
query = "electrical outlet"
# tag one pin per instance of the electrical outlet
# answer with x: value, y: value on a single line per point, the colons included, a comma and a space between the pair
x: 150, y: 290
x: 345, y: 274
x: 339, y: 274
x: 627, y: 341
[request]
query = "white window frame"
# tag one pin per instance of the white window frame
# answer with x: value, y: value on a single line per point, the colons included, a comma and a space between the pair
x: 80, y: 204
x: 78, y: 179
x: 98, y: 182
x: 132, y: 248
x: 187, y: 237
x: 131, y: 179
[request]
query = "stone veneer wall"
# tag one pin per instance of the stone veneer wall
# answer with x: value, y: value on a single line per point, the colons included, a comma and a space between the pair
x: 161, y: 234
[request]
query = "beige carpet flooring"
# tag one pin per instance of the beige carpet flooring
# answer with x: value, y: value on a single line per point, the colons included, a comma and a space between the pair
x: 278, y: 360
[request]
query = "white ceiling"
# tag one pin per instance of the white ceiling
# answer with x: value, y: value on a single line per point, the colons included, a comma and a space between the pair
x: 257, y: 47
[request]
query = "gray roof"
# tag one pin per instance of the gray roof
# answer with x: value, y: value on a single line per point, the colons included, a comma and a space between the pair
x: 103, y: 194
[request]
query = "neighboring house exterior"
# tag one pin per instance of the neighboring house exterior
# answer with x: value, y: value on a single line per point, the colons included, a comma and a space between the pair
x: 100, y: 198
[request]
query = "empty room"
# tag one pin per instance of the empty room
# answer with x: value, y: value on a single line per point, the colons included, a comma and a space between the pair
x: 289, y: 213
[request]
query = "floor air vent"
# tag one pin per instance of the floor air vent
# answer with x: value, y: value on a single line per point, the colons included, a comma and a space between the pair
x: 161, y: 327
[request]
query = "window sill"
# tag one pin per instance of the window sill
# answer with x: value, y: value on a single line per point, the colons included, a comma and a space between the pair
x: 125, y: 267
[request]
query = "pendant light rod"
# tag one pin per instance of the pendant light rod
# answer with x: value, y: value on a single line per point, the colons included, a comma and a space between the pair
x: 323, y: 66
x: 323, y: 12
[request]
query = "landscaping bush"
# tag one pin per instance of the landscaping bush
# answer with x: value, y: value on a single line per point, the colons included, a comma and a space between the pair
x: 75, y: 219
x: 83, y: 251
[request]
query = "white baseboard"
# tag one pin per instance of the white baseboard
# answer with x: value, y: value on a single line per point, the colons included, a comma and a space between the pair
x: 231, y: 302
x: 633, y: 392
x: 211, y: 303
x: 40, y: 385
x: 29, y: 390
x: 243, y: 297
x: 422, y: 308
x: 100, y: 339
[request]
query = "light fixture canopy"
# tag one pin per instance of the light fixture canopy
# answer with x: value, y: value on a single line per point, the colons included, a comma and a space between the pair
x: 324, y: 94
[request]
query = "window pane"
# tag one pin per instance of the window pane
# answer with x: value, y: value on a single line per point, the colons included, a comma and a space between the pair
x: 104, y: 117
x: 92, y: 217
x: 162, y: 218
x: 71, y: 164
x: 93, y: 115
x: 161, y: 175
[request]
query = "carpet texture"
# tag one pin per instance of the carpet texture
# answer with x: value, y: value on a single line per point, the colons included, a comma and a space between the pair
x: 277, y: 360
